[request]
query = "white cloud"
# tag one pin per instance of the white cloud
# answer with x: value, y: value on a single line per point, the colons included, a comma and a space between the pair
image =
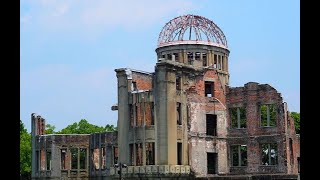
x: 104, y: 14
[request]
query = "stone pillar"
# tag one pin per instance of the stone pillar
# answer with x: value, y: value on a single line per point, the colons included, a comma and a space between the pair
x: 123, y: 76
x: 165, y: 91
x: 33, y: 145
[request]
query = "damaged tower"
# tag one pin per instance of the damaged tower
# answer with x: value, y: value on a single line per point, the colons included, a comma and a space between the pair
x: 184, y: 120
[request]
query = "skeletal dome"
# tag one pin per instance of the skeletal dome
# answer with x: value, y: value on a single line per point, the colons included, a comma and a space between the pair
x: 191, y: 29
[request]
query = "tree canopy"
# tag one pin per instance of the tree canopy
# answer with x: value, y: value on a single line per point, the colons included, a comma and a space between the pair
x: 296, y: 117
x: 25, y: 152
x: 84, y: 127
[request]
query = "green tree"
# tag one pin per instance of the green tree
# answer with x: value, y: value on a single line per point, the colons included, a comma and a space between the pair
x: 25, y: 152
x: 84, y: 127
x: 296, y: 117
x: 50, y: 129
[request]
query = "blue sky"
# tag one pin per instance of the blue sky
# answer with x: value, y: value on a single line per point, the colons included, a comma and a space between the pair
x: 70, y: 48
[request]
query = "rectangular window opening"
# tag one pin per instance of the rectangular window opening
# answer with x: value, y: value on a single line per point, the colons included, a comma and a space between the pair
x: 179, y: 119
x: 179, y: 153
x: 212, y: 163
x: 115, y: 155
x: 269, y: 154
x: 83, y: 158
x: 139, y: 151
x: 238, y: 117
x: 211, y: 124
x: 63, y: 159
x: 169, y: 56
x: 178, y: 83
x: 152, y: 113
x: 239, y: 155
x: 74, y: 158
x: 215, y: 61
x: 268, y: 115
x: 176, y: 57
x: 131, y: 154
x: 150, y: 154
x: 209, y: 89
x: 190, y: 57
x: 131, y: 115
x: 104, y: 158
x: 291, y: 150
x: 197, y: 57
x: 48, y: 160
x: 204, y: 59
x: 138, y: 114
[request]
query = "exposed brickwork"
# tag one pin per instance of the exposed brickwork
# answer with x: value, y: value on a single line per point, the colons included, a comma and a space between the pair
x: 143, y: 81
x: 251, y: 96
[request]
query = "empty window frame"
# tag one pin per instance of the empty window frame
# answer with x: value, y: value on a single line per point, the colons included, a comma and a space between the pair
x: 209, y: 89
x: 48, y: 160
x: 74, y: 158
x: 269, y: 154
x: 83, y: 158
x: 63, y: 159
x: 150, y: 154
x: 131, y: 152
x: 190, y: 57
x: 291, y: 150
x: 204, y: 59
x: 215, y: 59
x: 179, y: 118
x: 238, y: 117
x: 115, y: 155
x: 148, y: 113
x: 134, y: 86
x: 96, y: 158
x: 131, y: 115
x: 169, y: 56
x: 139, y: 153
x: 152, y: 113
x: 197, y: 56
x: 176, y: 57
x: 37, y: 160
x: 239, y: 155
x: 104, y: 158
x: 298, y: 160
x: 212, y: 163
x: 178, y: 83
x: 268, y: 115
x: 211, y: 124
x: 179, y: 153
x: 138, y: 114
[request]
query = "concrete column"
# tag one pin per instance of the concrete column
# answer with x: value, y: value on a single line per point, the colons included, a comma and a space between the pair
x: 55, y: 159
x: 166, y: 124
x: 210, y: 58
x: 181, y: 56
x: 185, y: 57
x: 171, y: 118
x: 123, y: 114
x: 33, y: 145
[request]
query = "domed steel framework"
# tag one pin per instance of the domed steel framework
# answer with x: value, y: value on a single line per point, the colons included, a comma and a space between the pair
x: 191, y: 29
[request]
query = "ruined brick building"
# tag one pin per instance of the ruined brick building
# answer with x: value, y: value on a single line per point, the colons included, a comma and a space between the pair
x: 181, y: 121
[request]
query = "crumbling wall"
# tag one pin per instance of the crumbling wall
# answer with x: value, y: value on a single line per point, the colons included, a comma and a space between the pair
x: 143, y: 80
x: 55, y: 145
x: 251, y: 97
x: 103, y: 153
x: 198, y: 106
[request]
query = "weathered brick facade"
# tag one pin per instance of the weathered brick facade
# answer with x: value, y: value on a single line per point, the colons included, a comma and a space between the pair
x: 182, y: 121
